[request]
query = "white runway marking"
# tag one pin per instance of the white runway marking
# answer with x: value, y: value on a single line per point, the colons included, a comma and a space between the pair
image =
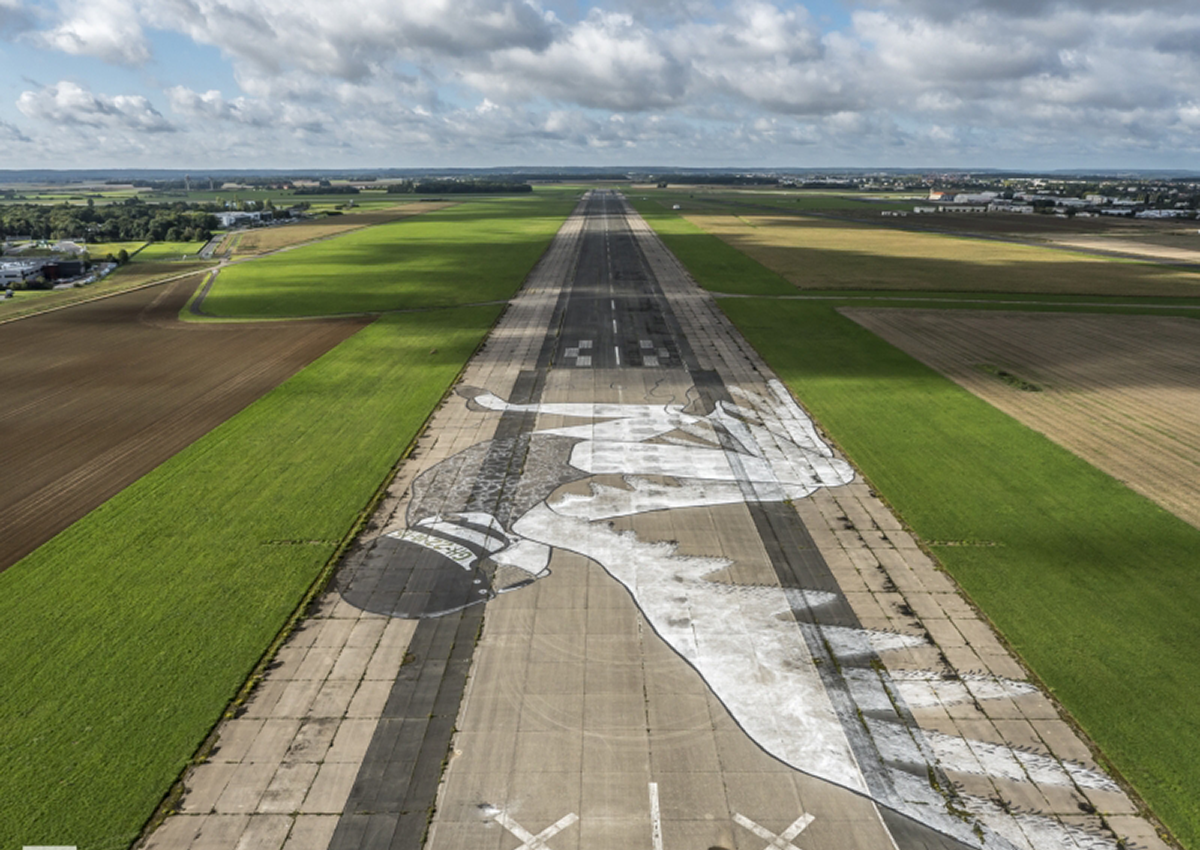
x: 782, y: 841
x: 616, y: 350
x: 655, y: 818
x: 535, y: 842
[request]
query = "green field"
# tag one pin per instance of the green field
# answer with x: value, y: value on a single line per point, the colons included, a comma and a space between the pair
x: 1092, y: 584
x: 100, y: 250
x: 826, y: 253
x: 472, y: 252
x: 157, y: 252
x: 126, y: 636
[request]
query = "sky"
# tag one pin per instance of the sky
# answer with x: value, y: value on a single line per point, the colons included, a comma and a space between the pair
x: 211, y: 84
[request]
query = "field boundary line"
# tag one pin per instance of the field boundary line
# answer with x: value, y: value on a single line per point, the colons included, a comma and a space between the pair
x: 948, y: 300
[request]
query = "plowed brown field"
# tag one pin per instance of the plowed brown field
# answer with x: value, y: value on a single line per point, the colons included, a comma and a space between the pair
x: 1121, y: 392
x: 97, y: 395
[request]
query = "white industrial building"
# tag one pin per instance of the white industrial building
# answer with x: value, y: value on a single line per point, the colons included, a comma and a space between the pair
x: 19, y: 271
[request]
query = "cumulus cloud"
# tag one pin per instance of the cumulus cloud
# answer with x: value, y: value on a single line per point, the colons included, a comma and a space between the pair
x: 606, y: 61
x: 67, y: 103
x: 381, y: 76
x: 106, y: 29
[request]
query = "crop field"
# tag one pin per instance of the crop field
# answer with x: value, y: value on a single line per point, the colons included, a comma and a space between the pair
x: 127, y: 277
x: 175, y: 586
x: 472, y: 252
x: 157, y: 252
x: 262, y: 240
x: 828, y: 255
x: 1092, y: 583
x: 86, y: 413
x: 1119, y: 391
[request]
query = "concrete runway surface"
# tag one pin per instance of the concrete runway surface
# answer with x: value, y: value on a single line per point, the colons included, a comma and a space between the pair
x: 624, y: 595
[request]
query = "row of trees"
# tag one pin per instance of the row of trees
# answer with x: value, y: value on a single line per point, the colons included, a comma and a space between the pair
x: 123, y: 222
x: 457, y: 187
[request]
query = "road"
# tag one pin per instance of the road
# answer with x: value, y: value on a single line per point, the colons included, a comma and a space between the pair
x: 625, y: 595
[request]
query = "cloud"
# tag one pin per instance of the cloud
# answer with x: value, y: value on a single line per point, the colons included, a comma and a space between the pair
x: 106, y: 29
x: 14, y: 17
x: 11, y: 133
x: 606, y: 61
x: 67, y: 103
x: 686, y: 79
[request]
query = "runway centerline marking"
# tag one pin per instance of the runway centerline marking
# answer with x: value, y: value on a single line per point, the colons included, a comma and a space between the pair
x: 782, y: 841
x: 655, y: 818
x: 535, y: 842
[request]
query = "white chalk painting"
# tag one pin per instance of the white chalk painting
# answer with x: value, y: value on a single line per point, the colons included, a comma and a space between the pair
x: 757, y: 647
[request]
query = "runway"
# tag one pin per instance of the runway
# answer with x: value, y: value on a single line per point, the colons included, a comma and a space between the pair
x: 625, y: 594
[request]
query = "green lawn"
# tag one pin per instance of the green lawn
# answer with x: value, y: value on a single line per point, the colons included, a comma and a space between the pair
x: 472, y: 252
x: 1092, y: 584
x: 126, y: 635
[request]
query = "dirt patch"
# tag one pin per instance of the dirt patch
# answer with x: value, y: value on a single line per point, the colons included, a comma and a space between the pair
x: 1118, y: 391
x: 97, y: 395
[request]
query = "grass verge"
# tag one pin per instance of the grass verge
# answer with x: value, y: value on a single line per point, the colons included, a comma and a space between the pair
x: 127, y: 634
x: 476, y: 251
x: 1092, y: 584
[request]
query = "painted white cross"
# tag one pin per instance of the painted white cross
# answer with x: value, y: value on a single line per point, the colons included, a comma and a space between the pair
x: 535, y: 842
x: 782, y: 841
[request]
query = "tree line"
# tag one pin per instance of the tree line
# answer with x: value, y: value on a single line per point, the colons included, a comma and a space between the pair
x: 457, y: 187
x: 129, y: 221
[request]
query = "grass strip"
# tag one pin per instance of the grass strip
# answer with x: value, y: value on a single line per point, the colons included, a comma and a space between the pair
x: 472, y: 252
x: 1092, y: 584
x: 726, y: 268
x: 127, y: 634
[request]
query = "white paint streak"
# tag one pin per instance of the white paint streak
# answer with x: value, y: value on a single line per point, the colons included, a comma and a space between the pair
x: 982, y: 758
x: 755, y: 662
x: 927, y: 688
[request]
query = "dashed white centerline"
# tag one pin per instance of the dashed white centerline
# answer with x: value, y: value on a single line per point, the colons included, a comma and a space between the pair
x: 655, y: 818
x: 614, y: 325
x: 617, y: 352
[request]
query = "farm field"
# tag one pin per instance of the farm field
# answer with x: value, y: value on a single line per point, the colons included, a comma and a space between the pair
x: 125, y: 278
x: 262, y: 240
x: 826, y: 254
x: 98, y: 395
x: 167, y: 251
x: 472, y: 252
x: 175, y: 586
x: 1090, y: 582
x: 1119, y: 391
x: 1160, y: 240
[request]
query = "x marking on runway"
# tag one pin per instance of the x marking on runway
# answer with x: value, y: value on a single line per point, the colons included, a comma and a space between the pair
x: 782, y: 841
x: 535, y: 842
